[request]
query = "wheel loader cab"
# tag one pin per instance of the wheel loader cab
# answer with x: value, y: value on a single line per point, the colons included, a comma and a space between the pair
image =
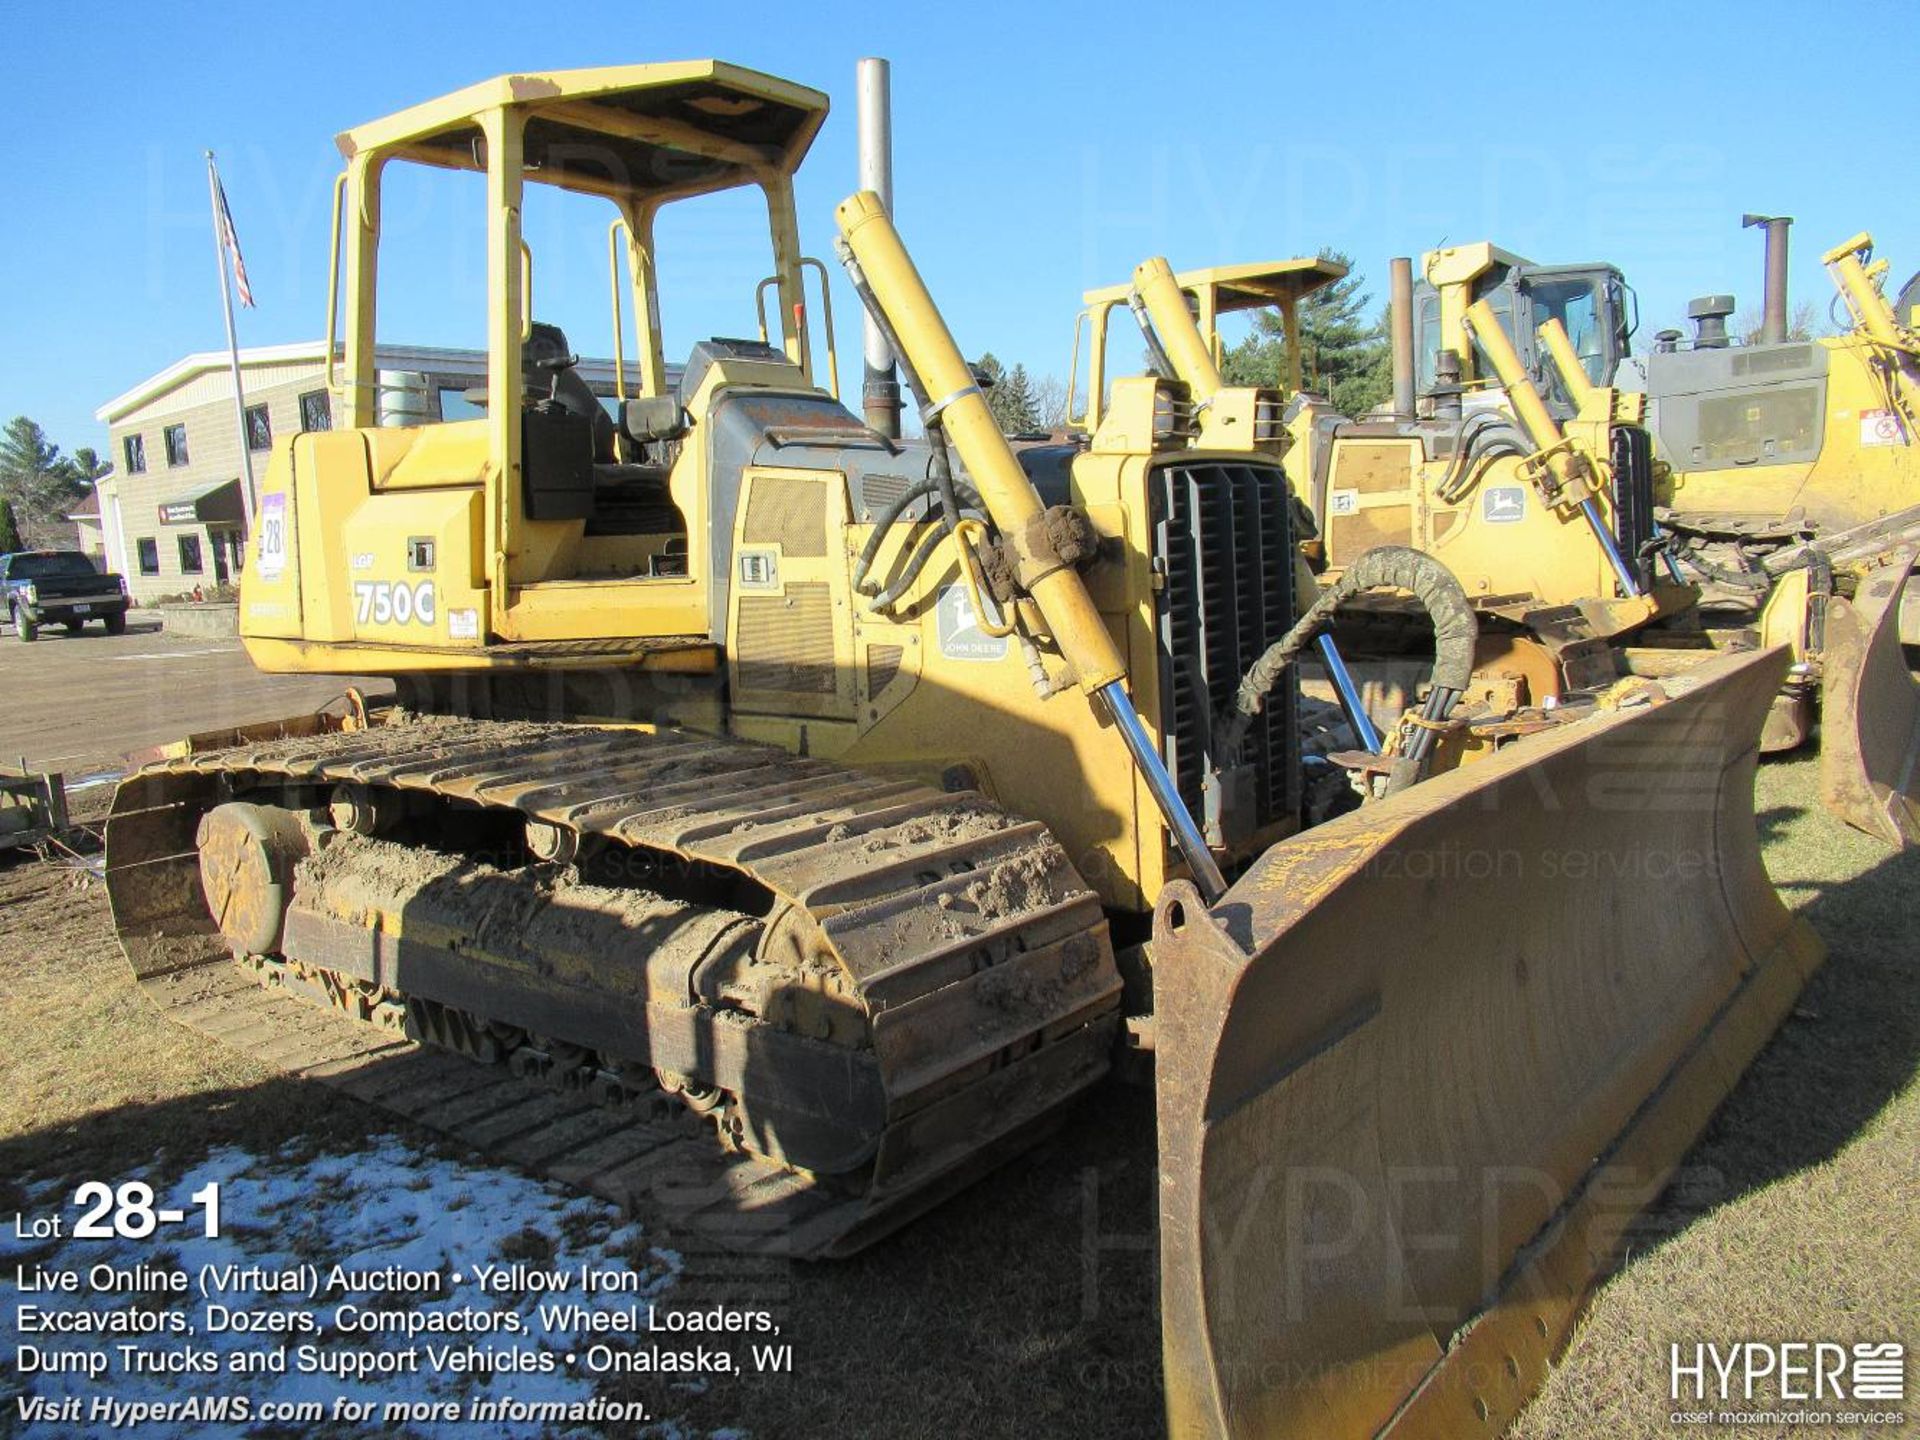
x: 550, y: 523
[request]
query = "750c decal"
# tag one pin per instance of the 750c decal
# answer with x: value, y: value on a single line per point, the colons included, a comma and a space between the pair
x: 393, y: 602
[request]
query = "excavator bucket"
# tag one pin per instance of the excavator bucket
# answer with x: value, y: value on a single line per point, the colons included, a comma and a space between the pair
x: 1420, y: 1067
x: 1870, y: 710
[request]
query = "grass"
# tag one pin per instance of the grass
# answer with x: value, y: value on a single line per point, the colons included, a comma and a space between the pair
x: 1026, y: 1305
x: 1797, y: 1215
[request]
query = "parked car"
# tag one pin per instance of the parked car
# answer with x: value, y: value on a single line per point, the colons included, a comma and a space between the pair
x: 59, y: 587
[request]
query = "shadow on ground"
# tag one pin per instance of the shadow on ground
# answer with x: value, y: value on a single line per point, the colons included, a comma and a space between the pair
x: 1027, y: 1305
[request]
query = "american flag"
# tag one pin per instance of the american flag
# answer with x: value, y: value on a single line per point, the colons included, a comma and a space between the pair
x: 224, y: 219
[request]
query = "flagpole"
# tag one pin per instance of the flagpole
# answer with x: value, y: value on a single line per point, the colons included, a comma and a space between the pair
x: 233, y: 343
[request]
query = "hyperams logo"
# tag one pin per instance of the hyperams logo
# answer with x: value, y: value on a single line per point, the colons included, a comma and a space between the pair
x: 1795, y: 1382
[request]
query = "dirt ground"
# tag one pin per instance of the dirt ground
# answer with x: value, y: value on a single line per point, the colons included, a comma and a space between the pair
x: 1027, y: 1305
x: 78, y: 703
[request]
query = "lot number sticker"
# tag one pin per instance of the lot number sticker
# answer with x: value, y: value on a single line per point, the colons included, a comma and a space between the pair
x: 271, y: 555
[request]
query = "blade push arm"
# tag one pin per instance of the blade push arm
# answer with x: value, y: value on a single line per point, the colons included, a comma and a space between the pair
x: 1566, y: 474
x: 887, y: 279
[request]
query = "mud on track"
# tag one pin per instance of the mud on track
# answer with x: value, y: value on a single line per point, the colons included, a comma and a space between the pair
x: 1026, y: 1305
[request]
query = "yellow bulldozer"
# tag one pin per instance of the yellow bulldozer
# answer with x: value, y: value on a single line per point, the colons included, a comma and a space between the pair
x: 1510, y: 452
x: 794, y: 819
x: 1784, y: 480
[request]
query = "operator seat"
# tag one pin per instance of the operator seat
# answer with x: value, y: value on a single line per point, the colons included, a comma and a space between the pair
x: 548, y: 376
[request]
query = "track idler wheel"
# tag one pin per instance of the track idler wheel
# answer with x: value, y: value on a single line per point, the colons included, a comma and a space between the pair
x: 247, y: 857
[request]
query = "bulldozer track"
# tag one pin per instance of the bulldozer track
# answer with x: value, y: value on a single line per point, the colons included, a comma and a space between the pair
x: 976, y: 959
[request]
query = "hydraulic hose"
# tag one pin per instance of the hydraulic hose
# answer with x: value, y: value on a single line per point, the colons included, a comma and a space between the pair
x: 1477, y: 440
x: 1755, y: 580
x: 924, y: 552
x: 889, y: 517
x: 1386, y: 567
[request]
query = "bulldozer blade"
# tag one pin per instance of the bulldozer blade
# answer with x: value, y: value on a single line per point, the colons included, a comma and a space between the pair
x: 1420, y: 1068
x: 1870, y: 710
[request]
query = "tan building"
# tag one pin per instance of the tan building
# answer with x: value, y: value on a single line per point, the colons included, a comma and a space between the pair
x: 89, y: 538
x: 171, y: 514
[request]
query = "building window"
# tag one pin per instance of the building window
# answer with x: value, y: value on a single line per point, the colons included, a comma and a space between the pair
x: 176, y: 444
x: 259, y: 428
x: 316, y: 411
x: 190, y: 555
x: 149, y: 555
x: 135, y: 448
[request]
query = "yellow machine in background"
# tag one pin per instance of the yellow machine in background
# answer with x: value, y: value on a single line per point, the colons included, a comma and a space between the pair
x: 857, y: 796
x: 1771, y: 459
x: 1214, y: 293
x: 1508, y: 454
x: 1780, y: 441
x: 1794, y: 489
x: 1546, y: 527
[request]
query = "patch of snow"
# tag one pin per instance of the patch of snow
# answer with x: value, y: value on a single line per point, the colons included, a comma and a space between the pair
x: 384, y: 1205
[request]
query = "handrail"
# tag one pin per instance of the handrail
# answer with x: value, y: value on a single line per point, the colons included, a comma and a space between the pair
x: 760, y: 305
x: 826, y: 319
x: 1073, y: 371
x: 333, y: 278
x: 619, y: 323
x: 526, y: 289
x: 800, y: 318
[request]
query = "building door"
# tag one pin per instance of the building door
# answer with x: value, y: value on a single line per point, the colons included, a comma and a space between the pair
x: 217, y: 542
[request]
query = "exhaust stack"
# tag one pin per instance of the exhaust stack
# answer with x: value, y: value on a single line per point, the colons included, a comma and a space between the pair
x: 1773, y: 323
x: 880, y: 396
x: 1400, y: 324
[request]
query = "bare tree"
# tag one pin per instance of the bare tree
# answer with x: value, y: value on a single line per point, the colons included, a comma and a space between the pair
x: 1803, y: 323
x: 1050, y: 402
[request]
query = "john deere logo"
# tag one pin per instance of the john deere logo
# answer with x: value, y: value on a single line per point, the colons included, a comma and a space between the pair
x: 961, y: 637
x: 1503, y: 504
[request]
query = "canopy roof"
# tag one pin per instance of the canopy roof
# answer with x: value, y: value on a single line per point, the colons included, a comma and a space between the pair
x: 1245, y: 287
x: 681, y: 128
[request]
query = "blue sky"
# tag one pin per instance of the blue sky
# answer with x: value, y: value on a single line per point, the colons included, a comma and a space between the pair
x: 1039, y: 151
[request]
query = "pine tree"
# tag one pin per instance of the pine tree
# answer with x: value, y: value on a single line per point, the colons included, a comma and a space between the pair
x: 1015, y: 411
x: 40, y: 483
x: 1344, y: 356
x: 1009, y: 395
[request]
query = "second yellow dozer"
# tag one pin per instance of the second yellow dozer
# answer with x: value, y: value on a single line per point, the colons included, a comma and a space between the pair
x: 1784, y: 476
x: 1538, y: 486
x: 795, y: 820
x: 1794, y: 485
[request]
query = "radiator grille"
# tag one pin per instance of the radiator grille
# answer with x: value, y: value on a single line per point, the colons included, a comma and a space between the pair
x: 1223, y: 534
x: 786, y: 641
x: 1632, y: 490
x: 789, y: 513
x: 877, y: 492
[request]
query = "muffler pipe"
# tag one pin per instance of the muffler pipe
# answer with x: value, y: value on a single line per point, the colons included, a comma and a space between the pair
x: 1773, y: 320
x: 880, y: 396
x: 1400, y: 326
